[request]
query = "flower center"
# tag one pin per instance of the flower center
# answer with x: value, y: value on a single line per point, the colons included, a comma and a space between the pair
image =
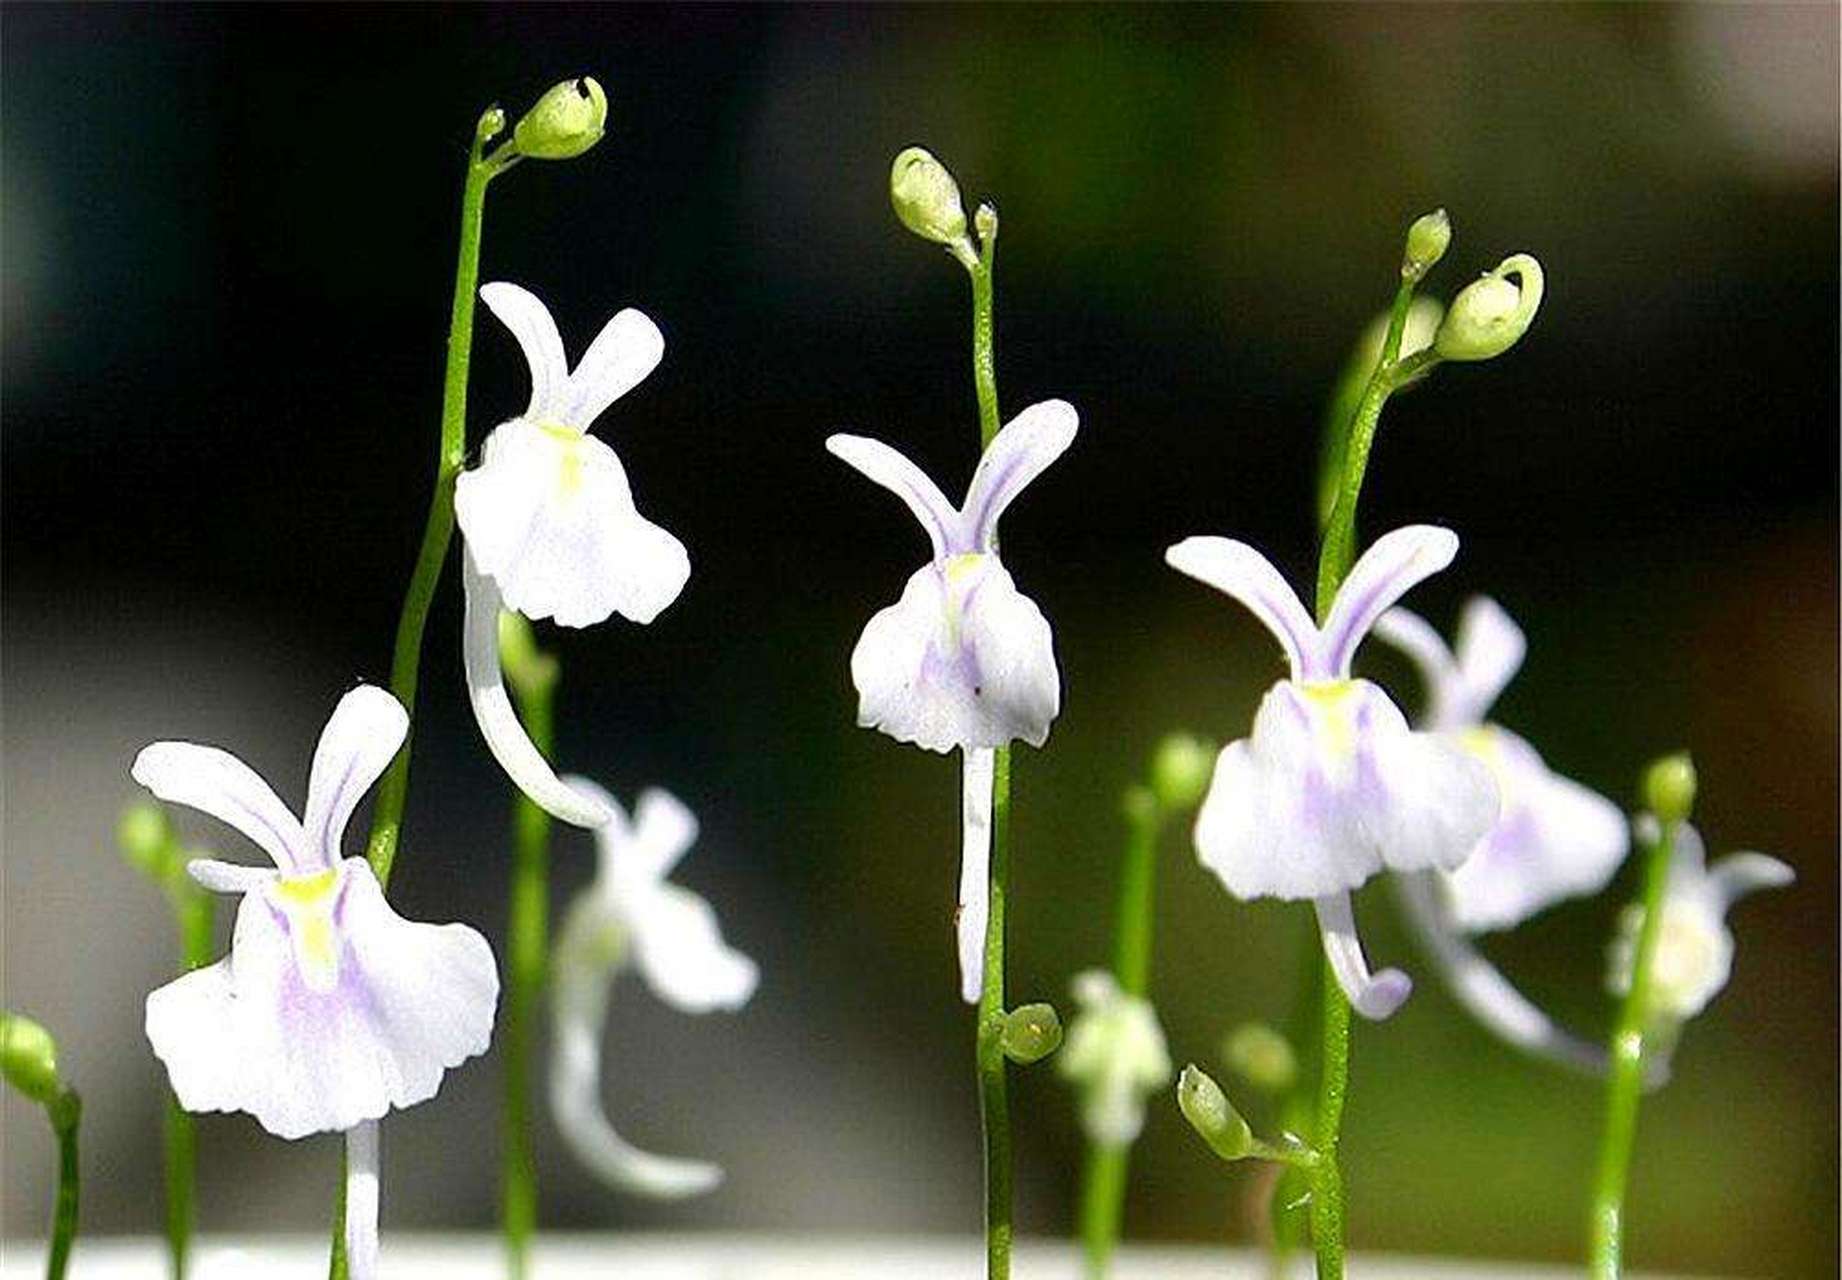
x: 962, y: 575
x: 1332, y: 714
x: 308, y: 903
x: 569, y: 457
x: 1686, y: 959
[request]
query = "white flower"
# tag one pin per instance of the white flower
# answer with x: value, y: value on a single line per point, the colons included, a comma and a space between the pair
x: 1553, y: 838
x: 550, y: 525
x: 1694, y: 955
x: 330, y: 1008
x: 1116, y: 1053
x: 963, y: 659
x: 1332, y: 787
x: 671, y: 933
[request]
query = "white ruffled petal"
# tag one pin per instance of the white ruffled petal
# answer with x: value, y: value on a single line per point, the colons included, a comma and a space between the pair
x: 888, y: 468
x: 355, y: 748
x: 1018, y: 454
x: 963, y: 660
x: 1394, y: 564
x: 549, y: 516
x: 1241, y: 572
x: 682, y: 955
x: 528, y: 318
x: 498, y: 720
x: 221, y: 785
x: 628, y: 348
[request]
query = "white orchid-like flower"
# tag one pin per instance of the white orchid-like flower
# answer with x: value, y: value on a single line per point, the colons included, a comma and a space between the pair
x: 964, y: 659
x: 330, y: 1008
x: 1553, y: 838
x: 1115, y: 1053
x: 671, y: 934
x: 1694, y: 956
x: 550, y: 525
x: 1332, y: 787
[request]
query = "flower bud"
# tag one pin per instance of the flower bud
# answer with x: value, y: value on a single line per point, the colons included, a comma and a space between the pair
x: 926, y: 198
x: 1213, y: 1117
x: 143, y: 836
x: 1261, y: 1056
x: 985, y: 222
x: 1669, y: 787
x: 1427, y: 239
x: 1490, y: 314
x: 565, y: 122
x: 29, y: 1058
x: 1031, y: 1033
x: 1180, y: 770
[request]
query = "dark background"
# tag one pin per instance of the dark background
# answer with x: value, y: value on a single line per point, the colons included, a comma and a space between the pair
x: 228, y: 240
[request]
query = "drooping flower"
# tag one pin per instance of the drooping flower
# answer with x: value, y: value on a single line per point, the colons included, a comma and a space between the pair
x: 550, y: 524
x: 963, y: 660
x: 1115, y: 1053
x: 631, y: 914
x: 1694, y: 955
x: 330, y: 1008
x: 1332, y: 786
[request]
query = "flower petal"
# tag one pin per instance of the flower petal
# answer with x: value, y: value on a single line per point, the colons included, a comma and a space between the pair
x: 583, y: 971
x: 883, y: 465
x: 682, y: 955
x: 1018, y: 454
x: 549, y: 516
x: 969, y: 922
x: 499, y: 725
x: 528, y: 318
x: 1376, y: 997
x: 361, y: 1201
x: 1739, y: 874
x: 1243, y: 573
x: 355, y: 748
x: 1386, y: 571
x: 628, y: 348
x: 963, y: 659
x: 1490, y: 651
x: 228, y: 877
x: 1421, y: 641
x: 221, y: 785
x: 1483, y: 991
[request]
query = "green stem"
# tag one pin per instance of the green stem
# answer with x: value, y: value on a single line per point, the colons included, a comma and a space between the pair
x: 527, y: 947
x: 1326, y: 1175
x: 1103, y: 1191
x: 193, y: 909
x: 66, y: 1113
x: 1625, y: 1086
x: 406, y: 659
x: 984, y: 358
x: 994, y: 1103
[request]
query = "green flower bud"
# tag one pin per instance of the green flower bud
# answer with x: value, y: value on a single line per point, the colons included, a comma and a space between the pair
x: 1669, y: 787
x: 926, y: 198
x: 985, y: 222
x: 1489, y: 315
x: 1427, y: 239
x: 1180, y: 770
x: 1261, y: 1056
x: 565, y: 122
x: 1031, y: 1033
x: 1210, y: 1113
x: 144, y: 837
x: 528, y: 668
x: 29, y: 1058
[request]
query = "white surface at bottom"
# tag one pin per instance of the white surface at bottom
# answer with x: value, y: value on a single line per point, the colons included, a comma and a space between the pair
x: 409, y: 1256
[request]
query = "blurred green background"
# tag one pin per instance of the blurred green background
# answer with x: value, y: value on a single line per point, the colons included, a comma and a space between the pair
x: 228, y: 250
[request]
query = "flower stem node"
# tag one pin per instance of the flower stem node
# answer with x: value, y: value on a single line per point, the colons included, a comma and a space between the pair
x: 1490, y: 314
x: 926, y: 198
x: 1031, y: 1033
x: 1669, y: 788
x: 1261, y: 1056
x: 1427, y: 240
x: 29, y: 1058
x: 568, y: 120
x: 1180, y: 770
x: 1213, y: 1117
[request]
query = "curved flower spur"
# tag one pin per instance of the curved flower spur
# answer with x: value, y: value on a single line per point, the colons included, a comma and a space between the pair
x: 1332, y: 786
x: 630, y: 914
x: 550, y: 524
x: 1553, y: 839
x: 963, y: 659
x: 330, y: 1008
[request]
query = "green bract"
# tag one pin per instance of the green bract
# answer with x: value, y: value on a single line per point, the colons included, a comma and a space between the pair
x: 568, y: 120
x: 1489, y: 315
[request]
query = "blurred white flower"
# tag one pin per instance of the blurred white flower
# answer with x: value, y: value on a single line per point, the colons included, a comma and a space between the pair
x: 630, y: 913
x: 550, y: 524
x: 1115, y: 1053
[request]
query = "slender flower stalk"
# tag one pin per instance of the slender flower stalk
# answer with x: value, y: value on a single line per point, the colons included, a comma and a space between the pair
x: 533, y: 677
